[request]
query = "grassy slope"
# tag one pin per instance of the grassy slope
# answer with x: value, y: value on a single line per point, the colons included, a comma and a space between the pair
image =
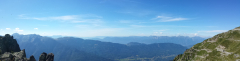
x: 206, y: 51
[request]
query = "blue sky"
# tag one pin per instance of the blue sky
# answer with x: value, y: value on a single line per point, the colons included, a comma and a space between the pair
x: 89, y: 18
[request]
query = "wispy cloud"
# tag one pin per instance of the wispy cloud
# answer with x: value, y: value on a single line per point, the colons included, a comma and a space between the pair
x: 157, y: 33
x: 195, y: 34
x: 36, y: 28
x: 158, y: 26
x: 68, y: 18
x: 8, y: 28
x: 214, y: 31
x: 168, y: 19
x: 18, y: 30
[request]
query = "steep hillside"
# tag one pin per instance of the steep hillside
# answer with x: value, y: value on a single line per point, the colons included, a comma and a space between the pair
x: 222, y: 47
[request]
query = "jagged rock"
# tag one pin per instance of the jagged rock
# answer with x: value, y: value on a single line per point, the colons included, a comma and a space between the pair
x: 31, y: 58
x: 8, y: 44
x: 50, y: 57
x: 46, y: 57
x: 10, y: 51
x: 20, y: 56
x: 6, y: 56
x: 43, y: 57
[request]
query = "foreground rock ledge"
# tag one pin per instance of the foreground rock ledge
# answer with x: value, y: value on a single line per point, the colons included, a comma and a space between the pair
x: 10, y: 51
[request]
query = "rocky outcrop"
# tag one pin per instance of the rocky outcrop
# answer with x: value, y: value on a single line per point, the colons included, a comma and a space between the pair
x: 10, y: 51
x: 43, y: 57
x: 16, y: 56
x: 50, y: 57
x: 31, y: 58
x: 46, y: 57
x: 8, y: 44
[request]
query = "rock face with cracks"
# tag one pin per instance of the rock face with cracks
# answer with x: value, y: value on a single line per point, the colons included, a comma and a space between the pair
x: 10, y: 51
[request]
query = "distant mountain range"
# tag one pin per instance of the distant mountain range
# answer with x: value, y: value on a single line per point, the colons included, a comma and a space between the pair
x: 183, y: 40
x: 36, y: 44
x: 156, y: 51
x: 77, y: 49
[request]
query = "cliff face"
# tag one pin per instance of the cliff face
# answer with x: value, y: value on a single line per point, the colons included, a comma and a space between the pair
x: 221, y: 47
x: 10, y: 51
x: 8, y: 44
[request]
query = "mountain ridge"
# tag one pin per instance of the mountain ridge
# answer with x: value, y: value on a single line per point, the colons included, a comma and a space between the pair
x: 108, y: 50
x: 35, y: 43
x: 183, y: 40
x: 123, y: 51
x: 221, y: 47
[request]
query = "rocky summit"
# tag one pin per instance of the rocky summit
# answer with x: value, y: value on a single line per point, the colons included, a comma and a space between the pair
x: 222, y: 47
x: 10, y: 51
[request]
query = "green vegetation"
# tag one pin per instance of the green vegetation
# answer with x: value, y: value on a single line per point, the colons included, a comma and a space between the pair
x: 211, y: 45
x: 214, y: 55
x: 227, y: 43
x: 197, y: 46
x: 234, y: 34
x: 163, y: 58
x: 202, y: 52
x: 237, y: 28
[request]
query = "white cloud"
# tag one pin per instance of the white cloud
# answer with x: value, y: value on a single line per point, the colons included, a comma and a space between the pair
x: 157, y: 33
x: 195, y: 34
x: 214, y: 31
x: 160, y: 32
x: 168, y: 19
x: 187, y: 34
x: 36, y: 28
x: 22, y: 15
x: 18, y: 30
x: 8, y: 28
x: 69, y: 18
x: 61, y: 18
